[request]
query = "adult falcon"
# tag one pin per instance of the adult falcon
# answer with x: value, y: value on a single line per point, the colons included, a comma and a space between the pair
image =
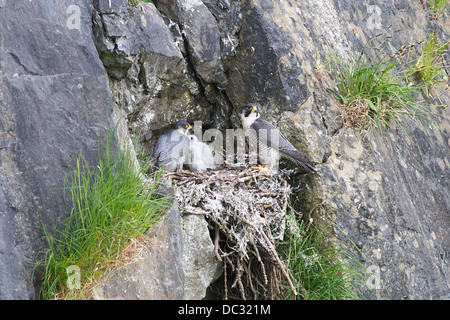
x: 171, y: 148
x: 272, y: 145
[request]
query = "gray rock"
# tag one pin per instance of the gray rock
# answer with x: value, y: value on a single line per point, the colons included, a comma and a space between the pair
x: 266, y: 59
x: 228, y: 16
x: 389, y: 198
x: 395, y: 210
x: 200, y: 265
x: 208, y: 39
x: 55, y: 104
x: 150, y: 78
x: 177, y: 263
x: 157, y: 271
x: 202, y: 34
x: 108, y: 6
x: 122, y: 33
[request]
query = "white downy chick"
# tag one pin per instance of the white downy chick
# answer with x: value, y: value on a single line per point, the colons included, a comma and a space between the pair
x: 200, y: 155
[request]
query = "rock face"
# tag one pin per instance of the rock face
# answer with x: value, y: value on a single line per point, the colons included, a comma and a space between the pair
x: 393, y: 204
x: 54, y: 104
x: 178, y: 263
x: 200, y: 265
x: 63, y: 67
x: 156, y: 273
x: 147, y: 69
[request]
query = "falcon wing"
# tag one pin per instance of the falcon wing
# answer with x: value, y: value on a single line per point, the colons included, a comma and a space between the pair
x: 271, y: 132
x: 171, y: 145
x: 285, y: 148
x: 289, y: 151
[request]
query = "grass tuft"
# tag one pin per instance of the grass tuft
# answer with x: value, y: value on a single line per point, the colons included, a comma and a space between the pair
x: 372, y: 93
x: 428, y: 68
x: 109, y: 207
x: 437, y: 8
x: 134, y: 3
x: 319, y: 271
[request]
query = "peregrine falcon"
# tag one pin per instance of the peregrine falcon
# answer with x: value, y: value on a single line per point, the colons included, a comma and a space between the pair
x: 172, y: 147
x: 271, y: 143
x: 200, y: 155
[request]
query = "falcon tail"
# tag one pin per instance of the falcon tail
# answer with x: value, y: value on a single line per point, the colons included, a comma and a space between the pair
x: 298, y: 158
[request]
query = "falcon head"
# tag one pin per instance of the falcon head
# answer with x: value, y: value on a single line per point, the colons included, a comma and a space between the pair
x: 182, y: 127
x: 249, y: 111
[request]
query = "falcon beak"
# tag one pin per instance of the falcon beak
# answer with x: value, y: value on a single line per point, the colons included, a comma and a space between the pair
x: 188, y: 128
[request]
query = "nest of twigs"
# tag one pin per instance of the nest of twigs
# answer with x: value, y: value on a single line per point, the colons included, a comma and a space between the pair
x: 246, y: 215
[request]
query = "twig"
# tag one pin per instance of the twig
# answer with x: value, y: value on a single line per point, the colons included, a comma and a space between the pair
x: 225, y: 278
x: 282, y: 267
x: 185, y: 181
x: 216, y: 243
x: 258, y: 256
x: 311, y: 211
x: 239, y: 276
x: 275, y: 256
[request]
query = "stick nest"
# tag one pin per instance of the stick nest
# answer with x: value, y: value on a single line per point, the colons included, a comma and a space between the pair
x: 246, y: 214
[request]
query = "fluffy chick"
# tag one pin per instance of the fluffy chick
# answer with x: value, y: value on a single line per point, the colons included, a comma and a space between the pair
x: 200, y: 155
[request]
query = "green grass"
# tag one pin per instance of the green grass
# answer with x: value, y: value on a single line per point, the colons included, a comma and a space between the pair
x: 318, y: 269
x: 134, y: 3
x: 109, y: 208
x: 372, y: 93
x: 437, y: 8
x: 428, y: 68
